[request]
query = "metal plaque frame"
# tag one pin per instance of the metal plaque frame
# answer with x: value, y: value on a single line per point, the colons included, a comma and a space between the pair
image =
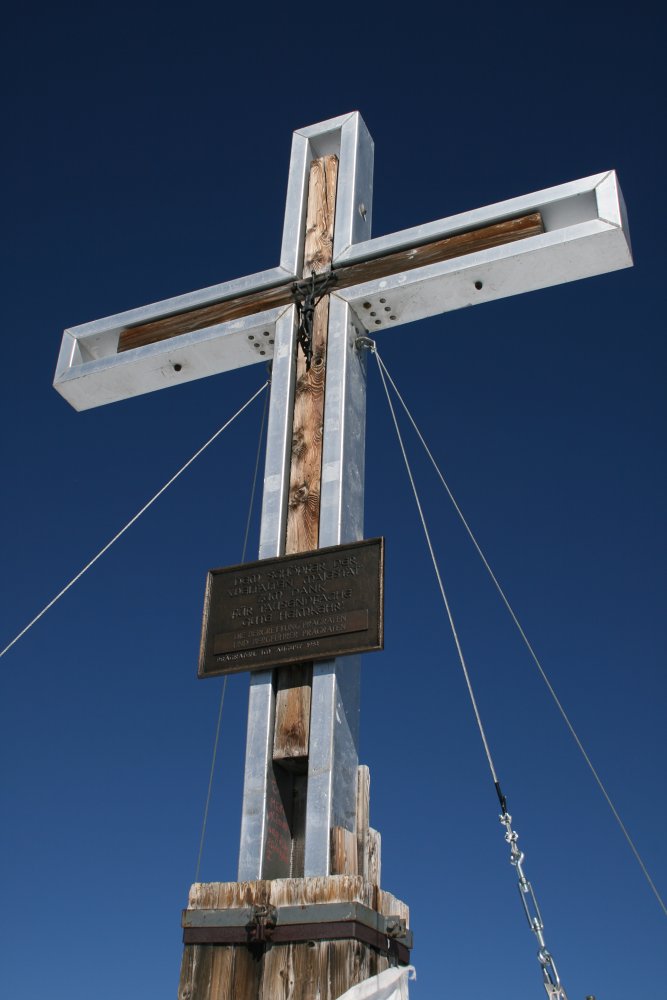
x: 302, y: 607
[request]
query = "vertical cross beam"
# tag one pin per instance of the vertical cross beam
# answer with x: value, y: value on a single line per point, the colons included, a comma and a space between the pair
x: 333, y: 755
x: 293, y: 696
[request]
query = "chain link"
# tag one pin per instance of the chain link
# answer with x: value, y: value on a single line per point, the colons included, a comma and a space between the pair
x: 552, y: 984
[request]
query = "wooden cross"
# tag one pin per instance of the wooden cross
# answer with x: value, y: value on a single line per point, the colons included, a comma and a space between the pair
x: 301, y: 755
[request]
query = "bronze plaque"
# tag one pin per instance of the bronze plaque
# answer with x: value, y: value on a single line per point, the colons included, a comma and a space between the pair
x: 309, y: 606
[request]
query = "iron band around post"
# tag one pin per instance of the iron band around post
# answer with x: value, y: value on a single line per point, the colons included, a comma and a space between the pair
x: 262, y: 925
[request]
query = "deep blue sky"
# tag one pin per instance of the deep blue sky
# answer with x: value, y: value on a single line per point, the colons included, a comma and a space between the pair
x: 146, y: 154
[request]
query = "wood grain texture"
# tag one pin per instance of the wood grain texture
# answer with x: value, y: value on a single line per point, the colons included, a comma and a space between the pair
x: 222, y: 971
x: 459, y: 245
x: 343, y: 851
x: 235, y: 894
x: 247, y: 972
x: 278, y: 975
x: 299, y: 971
x: 306, y: 462
x: 320, y: 215
x: 214, y: 972
x: 204, y: 895
x: 202, y: 317
x: 284, y: 892
x: 362, y: 817
x: 390, y: 906
x: 374, y: 857
x: 292, y: 725
x: 195, y: 981
x: 348, y: 964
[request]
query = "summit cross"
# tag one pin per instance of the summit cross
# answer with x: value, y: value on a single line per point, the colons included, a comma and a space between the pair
x: 303, y: 721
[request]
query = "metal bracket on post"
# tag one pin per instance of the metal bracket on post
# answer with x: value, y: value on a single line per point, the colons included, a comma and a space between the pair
x: 365, y: 344
x: 261, y: 925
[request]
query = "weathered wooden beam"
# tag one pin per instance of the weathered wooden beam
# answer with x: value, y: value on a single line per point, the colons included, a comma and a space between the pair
x: 447, y: 248
x: 343, y: 851
x: 458, y: 245
x: 390, y: 906
x: 295, y: 971
x: 204, y: 316
x: 304, y: 492
x: 374, y: 857
x: 292, y: 725
x: 362, y: 817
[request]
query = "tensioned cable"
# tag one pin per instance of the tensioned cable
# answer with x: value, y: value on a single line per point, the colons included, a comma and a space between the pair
x: 525, y: 639
x: 132, y: 520
x: 550, y: 975
x: 440, y: 583
x: 224, y: 683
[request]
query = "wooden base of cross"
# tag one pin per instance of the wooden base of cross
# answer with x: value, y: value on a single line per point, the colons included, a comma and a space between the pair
x: 296, y: 938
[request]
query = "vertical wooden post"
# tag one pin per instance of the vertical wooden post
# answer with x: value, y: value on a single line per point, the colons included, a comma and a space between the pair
x: 293, y: 697
x: 306, y: 469
x: 294, y: 684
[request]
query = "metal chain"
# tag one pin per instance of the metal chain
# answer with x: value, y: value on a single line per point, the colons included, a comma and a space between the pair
x: 307, y: 294
x: 552, y: 984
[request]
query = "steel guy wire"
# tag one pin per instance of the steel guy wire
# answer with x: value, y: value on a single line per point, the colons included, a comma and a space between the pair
x: 133, y: 519
x: 224, y: 683
x: 551, y: 980
x: 210, y: 777
x: 527, y: 643
x: 439, y: 578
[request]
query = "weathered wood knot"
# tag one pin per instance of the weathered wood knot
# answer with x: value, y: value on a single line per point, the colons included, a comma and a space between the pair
x: 299, y: 495
x: 298, y: 444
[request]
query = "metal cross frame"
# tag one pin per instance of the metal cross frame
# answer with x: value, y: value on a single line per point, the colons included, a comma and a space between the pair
x: 585, y: 233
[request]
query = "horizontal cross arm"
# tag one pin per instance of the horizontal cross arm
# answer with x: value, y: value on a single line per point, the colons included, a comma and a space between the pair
x: 408, y: 259
x: 419, y: 272
x: 447, y: 248
x: 199, y: 319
